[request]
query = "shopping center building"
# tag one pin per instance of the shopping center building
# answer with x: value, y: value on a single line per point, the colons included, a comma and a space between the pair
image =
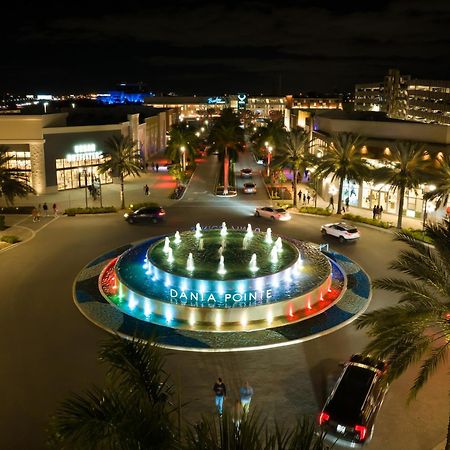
x: 60, y: 151
x: 380, y: 133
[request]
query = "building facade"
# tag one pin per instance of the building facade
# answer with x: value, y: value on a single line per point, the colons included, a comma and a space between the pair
x: 401, y: 97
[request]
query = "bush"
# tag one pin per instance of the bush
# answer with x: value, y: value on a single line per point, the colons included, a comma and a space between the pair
x: 2, y: 222
x: 93, y: 210
x: 374, y: 222
x: 313, y: 210
x: 10, y: 239
x: 418, y: 234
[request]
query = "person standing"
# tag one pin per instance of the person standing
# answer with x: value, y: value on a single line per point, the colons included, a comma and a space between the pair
x: 146, y: 190
x: 308, y: 197
x: 157, y: 167
x: 221, y: 392
x: 347, y: 203
x: 55, y: 210
x: 45, y: 208
x: 380, y: 211
x: 246, y: 394
x: 304, y: 199
x: 299, y: 196
x: 374, y: 212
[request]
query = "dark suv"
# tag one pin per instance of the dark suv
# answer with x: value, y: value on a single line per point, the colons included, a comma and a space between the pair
x: 146, y: 214
x: 350, y: 411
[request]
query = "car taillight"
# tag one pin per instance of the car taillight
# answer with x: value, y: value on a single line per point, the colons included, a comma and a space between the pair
x: 324, y: 417
x: 161, y: 213
x: 362, y: 430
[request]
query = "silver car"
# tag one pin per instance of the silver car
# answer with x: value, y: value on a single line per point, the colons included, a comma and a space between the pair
x: 272, y: 213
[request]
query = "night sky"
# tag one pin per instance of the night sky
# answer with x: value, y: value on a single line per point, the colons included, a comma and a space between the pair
x: 205, y: 47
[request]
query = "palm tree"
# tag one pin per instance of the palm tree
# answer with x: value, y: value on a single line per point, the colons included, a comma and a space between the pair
x: 132, y: 411
x: 440, y: 172
x: 251, y: 433
x: 294, y: 154
x: 418, y: 328
x: 344, y: 160
x: 123, y: 161
x: 226, y: 137
x: 11, y: 183
x: 406, y: 170
x: 274, y: 134
x: 182, y: 136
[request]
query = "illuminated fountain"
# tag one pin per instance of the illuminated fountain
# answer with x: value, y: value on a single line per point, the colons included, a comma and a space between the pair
x: 261, y: 286
x: 223, y: 230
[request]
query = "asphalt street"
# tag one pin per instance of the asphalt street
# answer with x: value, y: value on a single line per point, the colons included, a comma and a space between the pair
x: 48, y: 349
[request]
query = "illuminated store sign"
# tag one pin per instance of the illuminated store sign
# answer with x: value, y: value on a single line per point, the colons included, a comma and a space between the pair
x: 216, y: 101
x: 84, y: 151
x: 250, y: 296
x: 242, y: 101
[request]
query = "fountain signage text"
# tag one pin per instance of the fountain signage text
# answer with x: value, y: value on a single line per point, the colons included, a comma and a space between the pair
x: 195, y: 296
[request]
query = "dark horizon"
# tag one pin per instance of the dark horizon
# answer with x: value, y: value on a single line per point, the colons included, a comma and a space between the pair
x: 209, y: 48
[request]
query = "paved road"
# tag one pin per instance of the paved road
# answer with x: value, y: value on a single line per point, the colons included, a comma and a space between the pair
x: 48, y: 348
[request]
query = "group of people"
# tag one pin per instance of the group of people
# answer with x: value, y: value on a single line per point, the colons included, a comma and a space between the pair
x: 377, y: 211
x: 241, y: 406
x: 37, y: 213
x: 306, y: 196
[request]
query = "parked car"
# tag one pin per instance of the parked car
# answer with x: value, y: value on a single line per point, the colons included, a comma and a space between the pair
x: 272, y: 213
x: 246, y: 173
x: 349, y: 413
x: 146, y: 214
x: 343, y: 231
x: 249, y: 188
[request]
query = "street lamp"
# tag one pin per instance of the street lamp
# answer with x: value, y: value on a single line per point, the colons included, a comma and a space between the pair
x: 183, y: 157
x: 269, y: 158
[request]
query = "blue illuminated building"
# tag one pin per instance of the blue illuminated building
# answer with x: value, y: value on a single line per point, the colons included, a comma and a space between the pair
x: 126, y: 93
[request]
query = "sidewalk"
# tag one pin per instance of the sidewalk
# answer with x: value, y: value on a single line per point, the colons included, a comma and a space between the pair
x: 407, y: 222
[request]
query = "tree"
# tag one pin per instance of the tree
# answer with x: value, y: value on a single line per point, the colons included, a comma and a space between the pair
x: 418, y: 328
x: 251, y: 433
x: 132, y: 411
x: 11, y: 183
x: 123, y: 161
x: 344, y: 160
x: 293, y: 154
x: 227, y: 138
x: 440, y: 172
x: 274, y: 134
x: 181, y: 136
x: 406, y: 170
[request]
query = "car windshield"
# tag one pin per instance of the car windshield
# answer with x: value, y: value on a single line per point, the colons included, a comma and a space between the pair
x: 348, y: 400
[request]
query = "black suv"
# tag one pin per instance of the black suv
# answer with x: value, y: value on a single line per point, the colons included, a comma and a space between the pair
x: 350, y: 411
x: 146, y: 214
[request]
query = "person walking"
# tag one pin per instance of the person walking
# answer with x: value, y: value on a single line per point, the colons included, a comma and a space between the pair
x: 157, y: 167
x: 45, y: 208
x: 374, y: 212
x: 146, y: 190
x: 299, y: 196
x: 55, y: 210
x: 304, y: 199
x: 308, y: 197
x: 380, y: 211
x: 221, y: 392
x: 347, y: 203
x: 246, y: 394
x: 331, y: 204
x: 35, y: 214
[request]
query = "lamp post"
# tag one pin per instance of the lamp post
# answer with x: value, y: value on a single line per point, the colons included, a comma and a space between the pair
x: 269, y: 158
x: 183, y: 157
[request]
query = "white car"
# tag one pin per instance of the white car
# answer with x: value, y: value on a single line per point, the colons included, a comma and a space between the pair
x: 343, y: 231
x: 272, y: 213
x: 246, y: 173
x: 249, y: 188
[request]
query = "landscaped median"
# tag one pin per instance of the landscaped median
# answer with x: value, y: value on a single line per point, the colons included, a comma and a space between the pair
x: 90, y: 210
x: 219, y: 189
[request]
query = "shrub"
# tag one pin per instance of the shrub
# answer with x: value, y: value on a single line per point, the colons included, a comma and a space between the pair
x: 418, y: 234
x: 93, y: 210
x: 313, y: 210
x: 2, y: 222
x: 10, y: 239
x: 375, y: 222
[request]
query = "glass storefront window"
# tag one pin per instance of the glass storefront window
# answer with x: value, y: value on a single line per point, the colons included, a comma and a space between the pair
x: 20, y: 163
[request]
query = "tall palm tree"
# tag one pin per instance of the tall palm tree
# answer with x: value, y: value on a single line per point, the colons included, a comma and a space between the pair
x: 123, y: 161
x: 132, y: 411
x: 274, y: 133
x: 418, y: 328
x: 226, y: 137
x: 407, y: 170
x: 294, y: 155
x: 343, y: 159
x: 182, y: 136
x: 440, y: 173
x: 11, y: 183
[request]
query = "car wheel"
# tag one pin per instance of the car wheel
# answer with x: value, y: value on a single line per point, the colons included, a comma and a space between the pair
x: 130, y: 220
x: 257, y: 214
x: 324, y: 232
x: 341, y: 239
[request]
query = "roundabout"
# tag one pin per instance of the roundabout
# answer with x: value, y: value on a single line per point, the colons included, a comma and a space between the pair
x: 222, y: 290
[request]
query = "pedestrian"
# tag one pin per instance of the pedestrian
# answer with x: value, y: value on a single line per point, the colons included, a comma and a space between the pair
x: 308, y: 197
x: 374, y: 212
x: 221, y: 393
x: 153, y: 166
x: 157, y: 167
x: 45, y: 208
x: 146, y: 190
x: 55, y: 210
x: 380, y: 211
x: 347, y: 203
x: 300, y: 195
x: 304, y: 198
x: 35, y: 214
x: 246, y: 394
x: 331, y: 204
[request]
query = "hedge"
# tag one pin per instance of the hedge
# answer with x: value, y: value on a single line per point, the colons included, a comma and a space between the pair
x: 420, y: 235
x: 10, y: 239
x: 313, y: 210
x: 374, y: 222
x: 92, y: 210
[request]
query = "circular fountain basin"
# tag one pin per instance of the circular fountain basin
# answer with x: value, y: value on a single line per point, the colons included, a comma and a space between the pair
x: 144, y: 284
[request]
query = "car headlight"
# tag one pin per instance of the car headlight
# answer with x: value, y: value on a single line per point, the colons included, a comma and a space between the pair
x: 126, y: 215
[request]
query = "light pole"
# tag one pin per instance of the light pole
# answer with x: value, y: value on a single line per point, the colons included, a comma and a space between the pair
x: 269, y: 158
x: 183, y: 157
